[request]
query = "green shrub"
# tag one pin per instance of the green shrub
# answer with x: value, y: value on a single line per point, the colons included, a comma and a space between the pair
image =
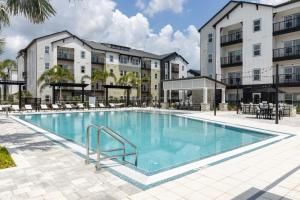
x: 298, y: 109
x: 5, y: 159
x: 231, y: 107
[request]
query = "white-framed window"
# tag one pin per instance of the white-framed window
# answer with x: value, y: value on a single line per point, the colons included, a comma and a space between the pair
x: 210, y: 37
x: 156, y: 64
x: 256, y: 75
x: 82, y: 54
x: 256, y: 49
x: 210, y: 58
x: 135, y: 61
x: 123, y: 59
x: 46, y: 49
x: 47, y: 65
x: 155, y: 87
x: 111, y: 58
x: 256, y: 25
x: 82, y: 69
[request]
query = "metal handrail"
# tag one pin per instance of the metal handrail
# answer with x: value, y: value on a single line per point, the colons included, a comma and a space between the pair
x: 115, y: 136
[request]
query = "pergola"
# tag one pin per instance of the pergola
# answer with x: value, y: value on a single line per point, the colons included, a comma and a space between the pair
x: 124, y: 87
x: 78, y: 85
x: 19, y: 83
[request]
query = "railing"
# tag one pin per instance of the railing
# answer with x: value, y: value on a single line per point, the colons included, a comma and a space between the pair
x: 118, y: 138
x: 232, y: 38
x: 175, y: 70
x: 286, y: 26
x: 293, y: 78
x: 231, y: 60
x: 232, y: 81
x: 96, y: 60
x: 65, y: 56
x: 286, y: 53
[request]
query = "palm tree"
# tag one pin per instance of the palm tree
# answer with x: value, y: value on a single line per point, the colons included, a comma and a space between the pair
x: 132, y: 79
x: 5, y: 69
x: 57, y: 74
x: 99, y: 76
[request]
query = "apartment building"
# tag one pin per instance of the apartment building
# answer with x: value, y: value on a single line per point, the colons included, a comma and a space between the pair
x: 244, y: 42
x: 81, y: 57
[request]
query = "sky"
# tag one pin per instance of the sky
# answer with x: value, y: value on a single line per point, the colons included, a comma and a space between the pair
x: 157, y: 26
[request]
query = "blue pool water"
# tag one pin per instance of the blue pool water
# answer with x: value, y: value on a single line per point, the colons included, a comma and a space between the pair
x: 163, y: 140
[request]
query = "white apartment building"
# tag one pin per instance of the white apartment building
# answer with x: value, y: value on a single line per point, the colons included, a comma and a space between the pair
x: 244, y: 42
x: 82, y: 56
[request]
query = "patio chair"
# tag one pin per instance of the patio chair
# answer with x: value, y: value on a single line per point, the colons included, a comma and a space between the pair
x: 80, y: 106
x: 55, y: 107
x: 15, y: 108
x: 28, y: 107
x: 101, y: 105
x: 44, y: 107
x: 92, y: 106
x: 258, y: 112
x: 112, y: 105
x: 68, y: 106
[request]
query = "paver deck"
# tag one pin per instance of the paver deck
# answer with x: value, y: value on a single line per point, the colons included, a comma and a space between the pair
x: 47, y: 170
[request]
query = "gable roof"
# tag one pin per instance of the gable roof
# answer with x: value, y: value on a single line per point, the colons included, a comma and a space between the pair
x: 194, y: 72
x: 170, y: 56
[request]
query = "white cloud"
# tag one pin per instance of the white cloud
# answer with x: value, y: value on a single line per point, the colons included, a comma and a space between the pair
x: 156, y: 6
x: 272, y: 2
x: 99, y: 20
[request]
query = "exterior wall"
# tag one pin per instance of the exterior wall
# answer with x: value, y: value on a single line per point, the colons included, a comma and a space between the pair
x: 32, y: 69
x: 155, y: 81
x: 182, y: 66
x: 247, y: 14
x: 21, y: 67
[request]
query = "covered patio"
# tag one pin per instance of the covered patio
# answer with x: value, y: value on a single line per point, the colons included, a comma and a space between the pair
x: 202, y: 91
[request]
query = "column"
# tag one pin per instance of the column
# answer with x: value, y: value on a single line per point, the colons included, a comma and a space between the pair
x: 204, y: 105
x: 223, y: 106
x: 204, y: 95
x: 165, y: 96
x: 223, y: 95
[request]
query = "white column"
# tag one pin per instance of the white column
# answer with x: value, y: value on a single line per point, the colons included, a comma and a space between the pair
x: 205, y: 95
x: 165, y: 96
x: 170, y: 95
x: 223, y: 95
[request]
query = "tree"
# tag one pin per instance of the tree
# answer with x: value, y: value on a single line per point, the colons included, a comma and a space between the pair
x: 57, y: 74
x: 132, y: 79
x: 98, y: 76
x: 5, y: 69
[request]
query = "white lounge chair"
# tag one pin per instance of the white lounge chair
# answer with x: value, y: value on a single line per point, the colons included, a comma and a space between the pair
x: 101, y: 105
x: 112, y: 105
x: 44, y: 107
x: 68, y: 106
x: 55, y: 107
x: 80, y: 106
x: 28, y: 107
x: 15, y: 108
x: 92, y: 106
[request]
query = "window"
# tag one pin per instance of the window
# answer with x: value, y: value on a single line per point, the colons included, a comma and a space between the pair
x: 210, y: 58
x: 210, y: 37
x: 182, y: 68
x: 82, y: 54
x: 46, y: 49
x: 121, y: 72
x: 82, y: 69
x: 47, y: 66
x: 256, y: 74
x: 257, y: 50
x: 123, y: 59
x: 111, y: 58
x: 155, y: 75
x: 47, y: 98
x: 256, y: 25
x: 155, y: 64
x: 288, y: 73
x: 155, y: 87
x: 111, y: 71
x: 135, y: 61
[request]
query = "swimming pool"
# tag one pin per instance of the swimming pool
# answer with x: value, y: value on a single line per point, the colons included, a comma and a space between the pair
x: 164, y: 141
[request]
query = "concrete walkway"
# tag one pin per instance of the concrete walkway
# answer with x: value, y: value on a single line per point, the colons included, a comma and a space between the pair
x: 47, y: 170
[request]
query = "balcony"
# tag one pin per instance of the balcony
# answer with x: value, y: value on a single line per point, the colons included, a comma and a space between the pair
x: 65, y: 56
x: 288, y: 79
x: 232, y: 82
x: 97, y: 60
x: 286, y: 53
x: 287, y: 26
x: 231, y: 39
x: 175, y: 70
x: 231, y: 61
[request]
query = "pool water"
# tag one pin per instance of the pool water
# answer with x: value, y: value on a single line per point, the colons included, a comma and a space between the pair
x: 163, y: 141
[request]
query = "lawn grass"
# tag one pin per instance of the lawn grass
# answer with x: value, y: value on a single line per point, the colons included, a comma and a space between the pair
x: 5, y: 159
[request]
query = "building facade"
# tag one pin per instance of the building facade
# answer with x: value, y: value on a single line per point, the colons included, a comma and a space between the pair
x: 81, y: 57
x: 244, y: 42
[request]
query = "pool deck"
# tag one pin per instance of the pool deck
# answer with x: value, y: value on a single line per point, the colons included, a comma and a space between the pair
x: 48, y: 170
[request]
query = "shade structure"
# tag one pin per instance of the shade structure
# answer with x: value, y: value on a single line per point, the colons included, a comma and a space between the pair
x: 268, y: 90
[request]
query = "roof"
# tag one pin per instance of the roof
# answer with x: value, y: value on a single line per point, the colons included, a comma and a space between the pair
x: 69, y: 84
x: 117, y: 86
x: 171, y: 56
x: 239, y: 3
x: 10, y: 82
x: 194, y: 72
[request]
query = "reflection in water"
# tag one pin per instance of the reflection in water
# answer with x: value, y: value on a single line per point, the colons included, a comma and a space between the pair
x: 163, y: 140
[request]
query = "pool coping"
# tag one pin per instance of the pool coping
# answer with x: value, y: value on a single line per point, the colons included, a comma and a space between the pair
x: 144, y: 181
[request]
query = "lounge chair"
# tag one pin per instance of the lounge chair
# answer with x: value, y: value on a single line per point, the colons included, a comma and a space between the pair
x: 55, y: 107
x: 80, y: 106
x: 28, y: 107
x: 101, y: 105
x: 112, y: 105
x: 68, y: 106
x: 258, y: 112
x: 15, y: 108
x: 92, y: 106
x: 44, y: 107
